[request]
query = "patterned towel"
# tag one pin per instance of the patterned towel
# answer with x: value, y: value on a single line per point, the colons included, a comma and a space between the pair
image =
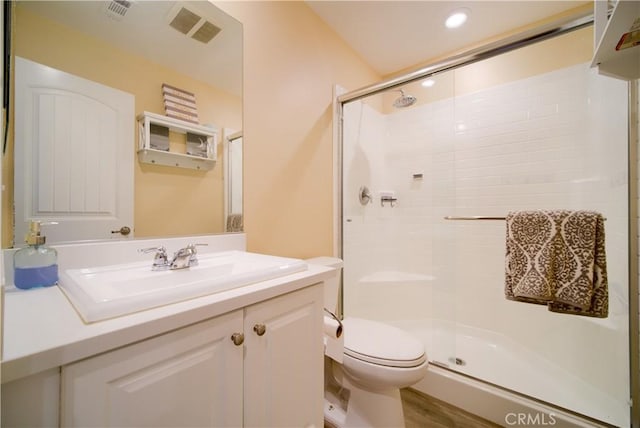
x: 234, y: 223
x: 557, y: 258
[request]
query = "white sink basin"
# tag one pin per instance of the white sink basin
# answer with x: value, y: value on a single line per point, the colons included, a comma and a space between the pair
x: 110, y: 291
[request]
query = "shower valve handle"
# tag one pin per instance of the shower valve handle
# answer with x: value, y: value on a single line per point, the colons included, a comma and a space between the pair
x: 364, y: 195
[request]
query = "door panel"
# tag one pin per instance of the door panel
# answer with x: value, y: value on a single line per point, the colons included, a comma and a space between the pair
x: 73, y: 153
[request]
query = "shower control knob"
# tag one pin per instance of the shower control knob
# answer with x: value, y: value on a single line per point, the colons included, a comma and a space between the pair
x: 260, y: 329
x: 237, y: 339
x: 364, y: 195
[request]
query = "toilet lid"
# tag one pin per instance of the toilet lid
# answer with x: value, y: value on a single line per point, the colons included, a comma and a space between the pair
x: 382, y: 344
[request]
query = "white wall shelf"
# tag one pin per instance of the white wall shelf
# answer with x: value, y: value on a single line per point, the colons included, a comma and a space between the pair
x: 624, y: 63
x: 150, y: 155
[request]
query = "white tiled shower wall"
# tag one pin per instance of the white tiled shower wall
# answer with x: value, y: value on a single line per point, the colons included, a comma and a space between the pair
x: 556, y: 140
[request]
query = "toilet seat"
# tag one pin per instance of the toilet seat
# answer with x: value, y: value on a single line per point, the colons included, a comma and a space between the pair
x: 381, y: 344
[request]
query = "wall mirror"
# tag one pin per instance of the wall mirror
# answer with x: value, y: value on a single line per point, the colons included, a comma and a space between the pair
x: 136, y: 47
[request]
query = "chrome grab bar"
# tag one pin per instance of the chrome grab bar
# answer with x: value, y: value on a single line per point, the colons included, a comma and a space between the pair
x: 478, y: 217
x: 473, y: 217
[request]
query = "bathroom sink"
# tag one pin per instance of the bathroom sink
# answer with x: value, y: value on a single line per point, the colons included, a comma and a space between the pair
x: 104, y: 292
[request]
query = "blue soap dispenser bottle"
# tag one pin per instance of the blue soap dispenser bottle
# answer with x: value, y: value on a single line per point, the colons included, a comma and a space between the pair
x: 36, y: 265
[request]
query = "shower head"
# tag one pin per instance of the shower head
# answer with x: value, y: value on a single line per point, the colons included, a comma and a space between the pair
x: 404, y: 100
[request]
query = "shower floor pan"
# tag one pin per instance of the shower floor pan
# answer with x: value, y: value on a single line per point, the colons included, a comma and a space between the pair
x: 496, y: 359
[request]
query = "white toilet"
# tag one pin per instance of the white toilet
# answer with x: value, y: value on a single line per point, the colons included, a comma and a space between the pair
x: 378, y: 360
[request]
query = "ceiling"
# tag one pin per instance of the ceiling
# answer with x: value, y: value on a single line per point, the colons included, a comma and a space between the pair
x: 394, y: 35
x: 389, y: 35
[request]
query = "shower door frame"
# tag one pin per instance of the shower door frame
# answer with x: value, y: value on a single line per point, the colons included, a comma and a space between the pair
x: 519, y: 40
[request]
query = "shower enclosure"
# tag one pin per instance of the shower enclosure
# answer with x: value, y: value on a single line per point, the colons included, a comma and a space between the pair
x: 426, y: 187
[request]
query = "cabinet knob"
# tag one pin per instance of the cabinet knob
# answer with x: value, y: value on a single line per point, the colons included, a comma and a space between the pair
x: 237, y: 339
x: 260, y: 329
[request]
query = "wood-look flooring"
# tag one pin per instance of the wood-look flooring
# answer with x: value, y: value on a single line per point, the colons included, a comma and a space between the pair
x: 423, y: 411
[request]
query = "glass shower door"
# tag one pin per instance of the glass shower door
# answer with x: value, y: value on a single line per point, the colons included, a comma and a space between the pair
x: 544, y: 140
x: 484, y: 139
x: 397, y: 187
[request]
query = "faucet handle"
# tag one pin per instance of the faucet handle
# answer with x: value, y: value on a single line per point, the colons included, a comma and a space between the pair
x: 193, y: 246
x: 160, y: 260
x: 193, y: 260
x: 160, y: 249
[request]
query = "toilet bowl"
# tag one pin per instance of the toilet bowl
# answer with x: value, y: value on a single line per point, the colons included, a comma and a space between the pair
x: 380, y: 356
x: 378, y: 360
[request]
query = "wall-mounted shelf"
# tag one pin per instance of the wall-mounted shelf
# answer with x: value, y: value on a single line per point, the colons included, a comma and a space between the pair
x: 148, y: 154
x: 623, y: 63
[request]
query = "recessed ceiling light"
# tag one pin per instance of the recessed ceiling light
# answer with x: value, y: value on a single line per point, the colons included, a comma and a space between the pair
x: 457, y: 18
x: 428, y: 83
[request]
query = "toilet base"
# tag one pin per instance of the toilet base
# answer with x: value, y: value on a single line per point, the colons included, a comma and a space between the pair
x: 334, y: 415
x: 364, y: 408
x: 375, y: 409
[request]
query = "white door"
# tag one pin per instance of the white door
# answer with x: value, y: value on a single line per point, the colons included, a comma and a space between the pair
x: 74, y: 151
x: 191, y: 377
x: 283, y: 381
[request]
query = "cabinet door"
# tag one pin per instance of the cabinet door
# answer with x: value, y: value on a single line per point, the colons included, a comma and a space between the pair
x: 283, y: 374
x: 189, y: 377
x: 31, y: 401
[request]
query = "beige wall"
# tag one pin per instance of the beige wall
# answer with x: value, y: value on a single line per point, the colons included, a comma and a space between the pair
x: 291, y: 62
x: 168, y: 201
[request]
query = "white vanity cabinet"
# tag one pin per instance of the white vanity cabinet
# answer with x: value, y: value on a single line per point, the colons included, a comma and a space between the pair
x: 198, y: 376
x: 284, y: 354
x: 189, y: 377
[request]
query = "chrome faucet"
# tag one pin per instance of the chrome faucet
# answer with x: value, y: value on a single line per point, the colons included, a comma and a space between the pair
x: 183, y: 258
x: 160, y: 260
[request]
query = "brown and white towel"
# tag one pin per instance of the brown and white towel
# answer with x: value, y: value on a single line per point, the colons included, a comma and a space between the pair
x: 234, y: 223
x: 557, y: 258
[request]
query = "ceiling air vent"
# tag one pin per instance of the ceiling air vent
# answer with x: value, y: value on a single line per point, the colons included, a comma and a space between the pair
x: 192, y: 24
x: 185, y: 20
x: 117, y: 9
x: 206, y: 32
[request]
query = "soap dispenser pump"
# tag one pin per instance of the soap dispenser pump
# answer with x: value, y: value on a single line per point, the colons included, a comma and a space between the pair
x: 35, y: 265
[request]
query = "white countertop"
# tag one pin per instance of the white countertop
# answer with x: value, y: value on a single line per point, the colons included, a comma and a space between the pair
x: 42, y: 329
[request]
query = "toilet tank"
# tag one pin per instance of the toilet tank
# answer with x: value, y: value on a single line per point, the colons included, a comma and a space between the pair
x: 331, y: 285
